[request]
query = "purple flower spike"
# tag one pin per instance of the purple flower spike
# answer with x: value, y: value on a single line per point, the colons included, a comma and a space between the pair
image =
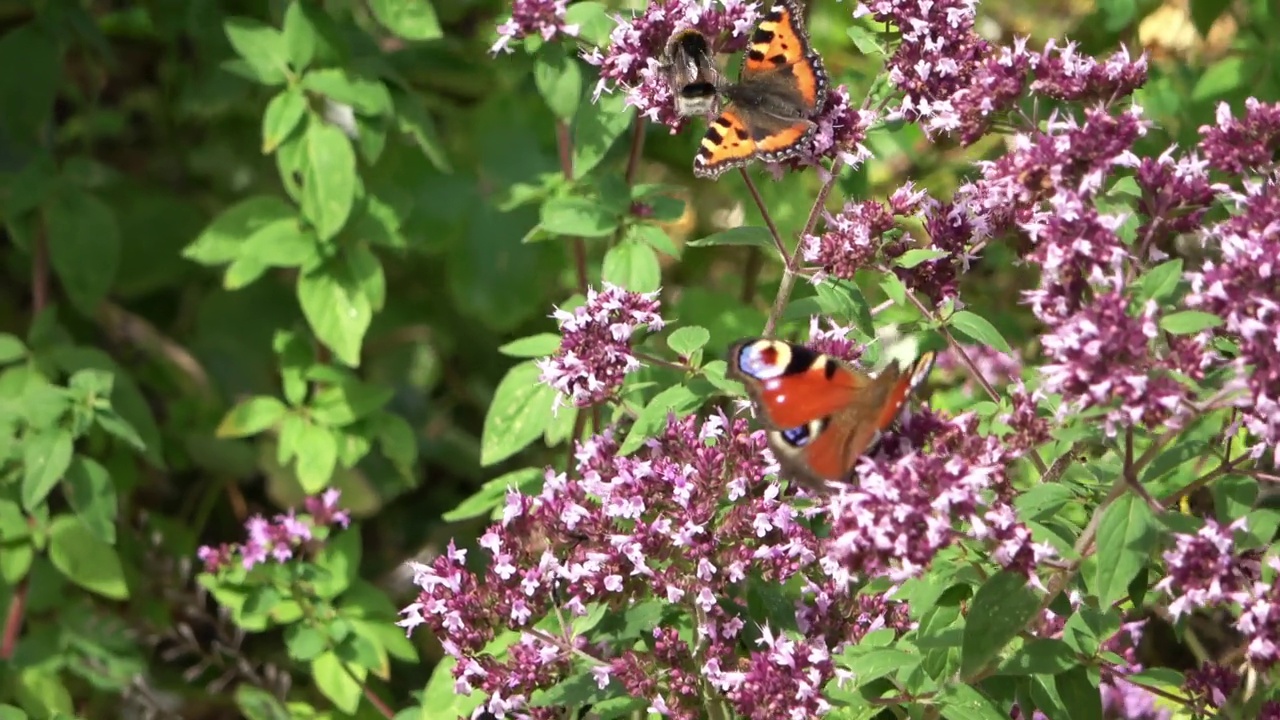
x: 544, y: 18
x: 1248, y: 144
x: 595, y: 355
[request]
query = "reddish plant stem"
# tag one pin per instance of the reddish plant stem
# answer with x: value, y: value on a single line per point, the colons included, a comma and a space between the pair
x: 564, y: 144
x: 792, y: 268
x: 637, y: 148
x: 14, y: 618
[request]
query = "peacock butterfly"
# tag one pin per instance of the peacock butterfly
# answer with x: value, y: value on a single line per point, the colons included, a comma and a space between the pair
x: 822, y: 414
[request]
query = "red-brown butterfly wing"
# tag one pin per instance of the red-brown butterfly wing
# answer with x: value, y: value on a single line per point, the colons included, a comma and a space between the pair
x: 902, y: 389
x: 792, y: 385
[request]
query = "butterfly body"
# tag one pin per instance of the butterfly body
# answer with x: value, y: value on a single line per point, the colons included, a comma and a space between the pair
x: 822, y: 414
x: 781, y: 86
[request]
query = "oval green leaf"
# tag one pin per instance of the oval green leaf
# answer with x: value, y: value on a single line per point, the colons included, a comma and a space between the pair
x: 85, y: 560
x: 1000, y: 609
x: 980, y: 329
x: 519, y: 413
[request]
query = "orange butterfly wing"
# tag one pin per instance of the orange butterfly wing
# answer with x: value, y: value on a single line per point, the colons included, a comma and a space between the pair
x: 781, y: 45
x: 782, y: 84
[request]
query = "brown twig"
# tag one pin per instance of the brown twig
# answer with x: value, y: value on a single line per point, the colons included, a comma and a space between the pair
x: 792, y: 268
x: 764, y: 213
x: 1033, y: 455
x: 637, y: 148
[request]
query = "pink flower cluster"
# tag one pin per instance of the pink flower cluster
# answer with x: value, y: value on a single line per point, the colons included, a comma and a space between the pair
x: 595, y: 353
x: 1205, y: 571
x: 908, y: 503
x: 543, y: 18
x: 278, y: 538
x: 674, y: 534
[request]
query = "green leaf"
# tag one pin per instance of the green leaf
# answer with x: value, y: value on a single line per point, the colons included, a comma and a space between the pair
x: 518, y: 414
x: 688, y: 340
x: 869, y: 665
x: 339, y: 563
x: 85, y: 560
x: 596, y: 127
x: 866, y: 42
x: 348, y: 400
x: 893, y: 287
x: 1041, y: 656
x: 300, y: 36
x: 328, y: 178
x: 980, y: 329
x: 1086, y: 628
x: 743, y: 235
x: 962, y: 702
x: 398, y: 442
x: 258, y: 704
x: 316, y: 448
x: 678, y: 400
x: 1000, y: 609
x: 410, y: 19
x: 92, y: 496
x: 593, y: 19
x: 12, y: 349
x: 1079, y: 693
x: 558, y: 76
x: 916, y: 256
x: 1189, y: 322
x: 842, y: 300
x: 45, y: 457
x: 261, y: 46
x: 365, y: 95
x: 533, y: 346
x: 493, y: 494
x: 222, y: 241
x: 1042, y: 500
x: 304, y: 643
x: 413, y: 119
x: 633, y: 266
x: 655, y: 237
x: 1160, y: 281
x: 577, y: 217
x: 283, y: 114
x: 251, y: 416
x: 283, y: 243
x: 1205, y: 12
x: 41, y: 691
x: 27, y: 92
x: 1222, y: 78
x: 336, y: 307
x: 84, y: 245
x: 341, y: 686
x: 1126, y: 535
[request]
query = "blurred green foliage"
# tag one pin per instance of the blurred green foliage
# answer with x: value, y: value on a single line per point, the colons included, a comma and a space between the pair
x: 252, y: 251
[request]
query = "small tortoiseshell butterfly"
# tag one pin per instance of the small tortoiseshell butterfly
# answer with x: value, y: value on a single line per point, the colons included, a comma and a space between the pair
x: 822, y: 414
x: 781, y: 86
x: 692, y: 74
